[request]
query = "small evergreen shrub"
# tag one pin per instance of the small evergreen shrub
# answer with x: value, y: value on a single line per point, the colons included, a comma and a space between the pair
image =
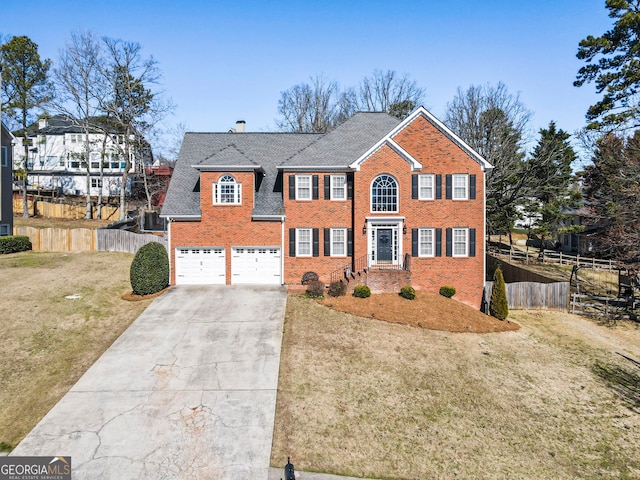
x: 408, y: 292
x: 315, y: 289
x: 15, y: 244
x: 337, y: 289
x: 361, y: 291
x: 447, y: 291
x: 150, y: 269
x: 498, y: 306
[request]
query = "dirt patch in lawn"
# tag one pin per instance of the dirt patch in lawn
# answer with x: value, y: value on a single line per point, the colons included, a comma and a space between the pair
x: 428, y: 310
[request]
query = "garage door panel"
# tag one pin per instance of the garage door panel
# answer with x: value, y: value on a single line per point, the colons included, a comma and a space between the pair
x: 257, y: 266
x: 200, y: 266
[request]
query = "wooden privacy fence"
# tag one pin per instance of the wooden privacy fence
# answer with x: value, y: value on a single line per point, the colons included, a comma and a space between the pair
x: 534, y: 295
x: 85, y: 239
x: 64, y: 210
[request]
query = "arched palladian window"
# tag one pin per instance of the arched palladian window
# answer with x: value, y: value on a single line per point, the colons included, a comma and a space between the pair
x: 227, y: 191
x: 384, y: 194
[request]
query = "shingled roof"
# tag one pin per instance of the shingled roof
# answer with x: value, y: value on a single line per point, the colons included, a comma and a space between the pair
x: 267, y: 152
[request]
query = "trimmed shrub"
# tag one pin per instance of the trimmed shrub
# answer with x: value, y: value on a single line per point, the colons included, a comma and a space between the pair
x: 337, y: 289
x: 150, y: 269
x: 498, y: 306
x: 315, y: 289
x: 447, y: 291
x: 408, y: 292
x: 15, y: 244
x: 361, y: 291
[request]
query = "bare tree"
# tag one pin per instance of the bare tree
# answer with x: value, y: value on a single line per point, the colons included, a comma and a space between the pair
x: 81, y: 90
x: 495, y: 123
x: 309, y: 108
x: 131, y: 104
x: 389, y: 92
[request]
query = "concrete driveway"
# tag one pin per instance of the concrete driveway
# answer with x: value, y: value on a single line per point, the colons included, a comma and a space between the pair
x: 187, y: 392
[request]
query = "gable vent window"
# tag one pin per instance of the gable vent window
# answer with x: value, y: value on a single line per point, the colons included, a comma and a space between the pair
x: 384, y: 194
x: 227, y: 191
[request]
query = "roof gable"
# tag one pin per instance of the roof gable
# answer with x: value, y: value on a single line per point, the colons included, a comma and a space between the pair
x: 422, y: 112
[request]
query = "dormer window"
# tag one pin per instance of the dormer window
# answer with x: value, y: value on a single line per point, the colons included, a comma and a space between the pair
x: 227, y: 191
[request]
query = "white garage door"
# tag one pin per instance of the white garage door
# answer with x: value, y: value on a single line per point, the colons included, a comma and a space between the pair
x: 258, y: 266
x: 200, y: 266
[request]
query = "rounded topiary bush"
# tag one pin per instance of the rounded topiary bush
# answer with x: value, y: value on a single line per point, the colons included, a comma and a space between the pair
x: 408, y: 292
x: 150, y: 269
x: 361, y: 291
x: 447, y: 291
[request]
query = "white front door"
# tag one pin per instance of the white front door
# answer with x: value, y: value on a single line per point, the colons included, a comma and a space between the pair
x: 200, y: 266
x: 257, y: 266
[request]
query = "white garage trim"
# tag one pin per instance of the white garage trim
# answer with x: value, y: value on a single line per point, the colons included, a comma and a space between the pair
x: 256, y: 265
x: 200, y: 266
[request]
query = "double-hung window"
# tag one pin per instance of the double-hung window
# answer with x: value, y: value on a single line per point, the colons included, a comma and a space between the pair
x: 338, y: 187
x: 426, y: 242
x: 338, y: 242
x: 460, y: 187
x: 426, y: 187
x: 227, y: 191
x: 460, y: 242
x: 303, y: 242
x: 303, y: 187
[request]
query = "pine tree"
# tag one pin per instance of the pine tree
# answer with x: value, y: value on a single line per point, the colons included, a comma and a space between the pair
x: 498, y: 307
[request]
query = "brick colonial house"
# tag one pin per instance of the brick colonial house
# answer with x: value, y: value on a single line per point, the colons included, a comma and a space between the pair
x: 377, y: 201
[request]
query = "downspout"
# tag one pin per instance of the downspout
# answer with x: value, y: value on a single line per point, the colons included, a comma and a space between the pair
x: 282, y: 251
x: 170, y: 251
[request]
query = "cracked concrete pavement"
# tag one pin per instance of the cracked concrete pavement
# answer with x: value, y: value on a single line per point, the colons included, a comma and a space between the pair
x: 187, y: 391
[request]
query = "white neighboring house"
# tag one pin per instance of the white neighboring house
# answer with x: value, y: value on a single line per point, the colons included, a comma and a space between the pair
x: 56, y: 159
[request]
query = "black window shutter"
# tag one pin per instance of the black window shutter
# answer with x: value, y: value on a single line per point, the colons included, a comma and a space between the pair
x: 316, y: 242
x: 438, y: 242
x: 349, y: 186
x: 327, y: 241
x: 448, y: 178
x: 315, y: 187
x: 414, y: 187
x: 414, y: 242
x: 350, y: 242
x: 472, y: 187
x: 472, y: 242
x: 292, y: 187
x: 327, y: 187
x: 292, y: 242
x: 449, y: 240
x: 438, y: 187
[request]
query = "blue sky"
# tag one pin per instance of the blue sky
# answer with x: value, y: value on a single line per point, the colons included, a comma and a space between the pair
x: 224, y: 61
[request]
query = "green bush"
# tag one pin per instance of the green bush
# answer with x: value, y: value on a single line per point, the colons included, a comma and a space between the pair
x: 498, y: 306
x: 408, y: 292
x: 337, y: 289
x: 315, y: 289
x: 361, y: 291
x: 150, y: 269
x: 14, y: 244
x: 447, y: 291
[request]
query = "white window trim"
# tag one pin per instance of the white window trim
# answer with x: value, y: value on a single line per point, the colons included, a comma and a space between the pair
x: 397, y: 195
x: 344, y: 242
x: 453, y: 242
x: 466, y: 186
x: 298, y: 195
x: 298, y: 242
x: 237, y: 192
x: 433, y: 186
x: 334, y: 178
x: 433, y: 242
